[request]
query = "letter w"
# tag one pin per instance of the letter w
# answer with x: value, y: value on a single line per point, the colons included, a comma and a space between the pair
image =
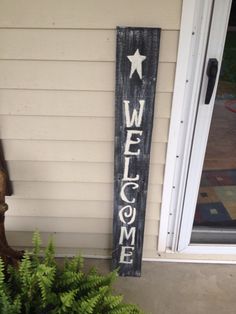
x: 136, y: 115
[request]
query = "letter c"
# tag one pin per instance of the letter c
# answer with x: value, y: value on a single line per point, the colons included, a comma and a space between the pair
x: 122, y: 192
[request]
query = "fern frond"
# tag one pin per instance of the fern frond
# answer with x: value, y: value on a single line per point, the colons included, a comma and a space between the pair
x: 75, y: 264
x: 125, y: 309
x: 2, y: 276
x: 68, y: 298
x: 112, y: 301
x: 45, y: 277
x: 37, y: 242
x: 25, y: 271
x: 50, y: 253
x: 70, y: 280
x: 87, y: 306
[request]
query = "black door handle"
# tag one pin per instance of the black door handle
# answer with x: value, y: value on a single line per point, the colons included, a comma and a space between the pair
x: 212, y: 70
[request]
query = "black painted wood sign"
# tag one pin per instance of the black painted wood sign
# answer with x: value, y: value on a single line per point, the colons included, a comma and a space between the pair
x: 136, y: 73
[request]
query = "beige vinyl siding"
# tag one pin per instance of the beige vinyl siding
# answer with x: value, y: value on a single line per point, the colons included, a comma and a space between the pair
x: 69, y: 208
x: 68, y: 243
x: 57, y: 81
x: 52, y: 103
x: 84, y: 225
x: 66, y: 75
x: 74, y: 191
x: 90, y: 14
x: 69, y: 128
x: 74, y: 172
x: 53, y: 44
x: 76, y: 151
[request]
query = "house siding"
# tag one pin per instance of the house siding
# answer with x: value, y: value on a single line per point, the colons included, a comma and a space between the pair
x: 57, y: 80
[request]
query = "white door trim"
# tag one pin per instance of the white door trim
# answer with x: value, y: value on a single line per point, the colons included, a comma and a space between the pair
x: 196, y: 18
x: 192, y: 11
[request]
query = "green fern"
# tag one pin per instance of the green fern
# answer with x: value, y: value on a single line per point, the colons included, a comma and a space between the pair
x: 49, y: 258
x: 2, y: 277
x: 40, y: 286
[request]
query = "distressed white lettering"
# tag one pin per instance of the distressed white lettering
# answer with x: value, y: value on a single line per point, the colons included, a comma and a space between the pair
x: 126, y: 171
x: 125, y: 234
x: 126, y: 253
x: 136, y: 118
x: 122, y: 192
x: 127, y: 212
x: 130, y: 141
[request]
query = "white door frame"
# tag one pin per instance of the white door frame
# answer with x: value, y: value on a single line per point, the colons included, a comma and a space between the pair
x: 176, y: 220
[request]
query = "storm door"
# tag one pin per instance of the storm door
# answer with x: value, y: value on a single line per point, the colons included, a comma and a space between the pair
x: 209, y: 211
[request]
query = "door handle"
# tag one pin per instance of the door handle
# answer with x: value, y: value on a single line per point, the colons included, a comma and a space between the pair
x: 212, y: 70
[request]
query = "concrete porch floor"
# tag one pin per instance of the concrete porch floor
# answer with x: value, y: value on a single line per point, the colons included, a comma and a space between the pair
x: 178, y: 288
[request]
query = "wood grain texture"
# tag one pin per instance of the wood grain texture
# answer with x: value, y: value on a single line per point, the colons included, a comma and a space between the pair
x: 135, y: 83
x: 85, y: 14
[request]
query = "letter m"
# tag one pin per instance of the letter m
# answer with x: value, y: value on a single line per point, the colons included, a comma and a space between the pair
x: 125, y: 234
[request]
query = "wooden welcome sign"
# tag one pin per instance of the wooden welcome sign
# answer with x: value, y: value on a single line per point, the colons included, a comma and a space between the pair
x: 136, y: 71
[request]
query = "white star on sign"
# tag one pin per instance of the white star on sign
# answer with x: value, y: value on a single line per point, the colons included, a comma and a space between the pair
x: 136, y: 65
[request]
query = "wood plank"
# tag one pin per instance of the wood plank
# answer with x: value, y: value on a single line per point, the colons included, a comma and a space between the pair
x: 74, y: 151
x: 57, y: 224
x: 69, y: 128
x: 108, y: 14
x: 71, y: 75
x: 71, y: 172
x: 74, y: 191
x: 76, y: 241
x: 70, y: 208
x: 69, y: 103
x: 135, y: 94
x: 62, y: 44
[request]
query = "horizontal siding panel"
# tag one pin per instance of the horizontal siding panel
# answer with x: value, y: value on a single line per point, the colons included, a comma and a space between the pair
x: 72, y: 240
x: 60, y: 75
x: 41, y: 44
x: 75, y: 151
x: 80, y: 225
x: 88, y: 253
x: 69, y: 128
x: 62, y: 252
x: 74, y: 191
x: 69, y: 103
x: 71, y: 172
x: 70, y: 208
x: 85, y: 14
